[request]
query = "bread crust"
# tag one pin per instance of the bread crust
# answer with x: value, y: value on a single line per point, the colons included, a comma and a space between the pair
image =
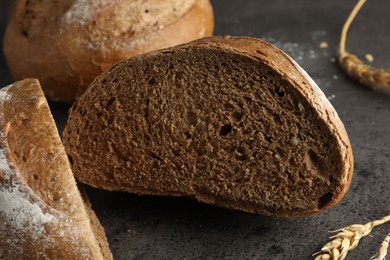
x: 42, y: 213
x: 66, y: 57
x: 254, y: 49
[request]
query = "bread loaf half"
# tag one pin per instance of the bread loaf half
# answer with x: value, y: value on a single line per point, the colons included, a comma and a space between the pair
x: 42, y: 214
x: 70, y: 42
x: 230, y: 121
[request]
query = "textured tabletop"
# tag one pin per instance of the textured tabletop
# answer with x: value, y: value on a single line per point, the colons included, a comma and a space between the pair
x: 147, y: 227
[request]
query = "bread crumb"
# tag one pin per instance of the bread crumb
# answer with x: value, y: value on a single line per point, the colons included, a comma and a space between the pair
x: 369, y: 57
x: 331, y: 97
x: 323, y: 45
x: 40, y: 102
x: 301, y: 107
x: 312, y: 54
x: 294, y: 141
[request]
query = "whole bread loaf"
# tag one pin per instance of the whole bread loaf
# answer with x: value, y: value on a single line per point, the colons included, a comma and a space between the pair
x: 229, y: 121
x: 70, y: 42
x: 42, y: 213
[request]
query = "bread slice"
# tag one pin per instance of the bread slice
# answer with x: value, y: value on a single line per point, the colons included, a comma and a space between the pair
x: 42, y: 213
x: 70, y: 42
x: 229, y: 121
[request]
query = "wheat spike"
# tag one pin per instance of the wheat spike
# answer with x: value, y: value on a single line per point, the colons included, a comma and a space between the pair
x: 348, y: 238
x: 355, y: 68
x: 382, y: 251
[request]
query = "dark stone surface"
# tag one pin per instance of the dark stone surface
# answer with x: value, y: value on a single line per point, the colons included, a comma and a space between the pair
x: 177, y: 228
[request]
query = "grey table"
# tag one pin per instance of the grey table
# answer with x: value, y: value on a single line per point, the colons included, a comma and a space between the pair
x: 175, y: 228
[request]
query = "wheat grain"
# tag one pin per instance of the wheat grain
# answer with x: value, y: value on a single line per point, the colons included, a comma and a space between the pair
x: 355, y: 68
x: 348, y: 238
x: 324, y: 45
x: 382, y: 251
x: 365, y: 74
x: 369, y: 57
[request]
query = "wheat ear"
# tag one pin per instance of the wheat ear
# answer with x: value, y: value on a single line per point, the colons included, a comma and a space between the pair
x: 354, y: 67
x: 347, y: 239
x: 382, y: 251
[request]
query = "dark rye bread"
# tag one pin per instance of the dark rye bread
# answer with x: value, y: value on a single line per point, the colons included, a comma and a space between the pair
x: 229, y: 121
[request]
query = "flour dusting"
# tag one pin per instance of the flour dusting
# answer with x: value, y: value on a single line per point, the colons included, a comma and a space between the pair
x: 80, y: 12
x: 4, y: 95
x: 300, y: 52
x: 313, y: 54
x: 4, y: 164
x: 20, y: 215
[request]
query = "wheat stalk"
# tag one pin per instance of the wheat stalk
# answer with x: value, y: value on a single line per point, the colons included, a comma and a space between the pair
x: 382, y: 251
x: 347, y: 239
x: 354, y: 67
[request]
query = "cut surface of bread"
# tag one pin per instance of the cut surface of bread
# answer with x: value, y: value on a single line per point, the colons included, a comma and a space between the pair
x: 42, y: 213
x: 230, y: 121
x: 70, y: 42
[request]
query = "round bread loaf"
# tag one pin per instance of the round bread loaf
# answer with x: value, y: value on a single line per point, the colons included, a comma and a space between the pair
x: 42, y: 213
x: 230, y: 121
x: 66, y: 44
